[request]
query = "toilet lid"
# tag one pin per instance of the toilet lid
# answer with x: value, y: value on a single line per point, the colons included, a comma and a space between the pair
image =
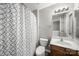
x: 40, y: 50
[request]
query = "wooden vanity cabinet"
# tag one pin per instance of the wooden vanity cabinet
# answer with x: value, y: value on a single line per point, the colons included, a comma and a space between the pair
x: 61, y: 51
x: 57, y: 51
x: 70, y: 52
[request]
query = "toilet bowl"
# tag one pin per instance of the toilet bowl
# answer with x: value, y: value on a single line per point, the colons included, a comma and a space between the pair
x: 40, y: 50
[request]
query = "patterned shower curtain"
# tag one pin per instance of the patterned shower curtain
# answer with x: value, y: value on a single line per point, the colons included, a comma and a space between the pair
x: 18, y: 32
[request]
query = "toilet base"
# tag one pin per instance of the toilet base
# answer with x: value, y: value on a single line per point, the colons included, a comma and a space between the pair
x: 40, y: 51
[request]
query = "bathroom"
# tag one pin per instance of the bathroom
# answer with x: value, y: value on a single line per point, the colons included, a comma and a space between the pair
x: 39, y: 29
x: 59, y: 24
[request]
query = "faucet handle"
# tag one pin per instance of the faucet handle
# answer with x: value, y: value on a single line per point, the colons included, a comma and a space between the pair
x: 61, y: 39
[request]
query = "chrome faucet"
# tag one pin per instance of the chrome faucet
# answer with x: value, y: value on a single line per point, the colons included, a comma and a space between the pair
x: 61, y: 40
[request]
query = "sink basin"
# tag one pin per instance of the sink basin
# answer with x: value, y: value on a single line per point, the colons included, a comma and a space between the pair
x: 63, y: 43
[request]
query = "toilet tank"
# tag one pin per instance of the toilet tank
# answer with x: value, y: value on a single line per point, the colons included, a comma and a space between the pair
x: 43, y: 42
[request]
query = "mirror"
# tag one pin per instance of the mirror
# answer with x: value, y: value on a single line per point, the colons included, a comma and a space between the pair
x: 64, y: 23
x: 59, y: 25
x: 56, y: 25
x: 77, y: 23
x: 71, y: 25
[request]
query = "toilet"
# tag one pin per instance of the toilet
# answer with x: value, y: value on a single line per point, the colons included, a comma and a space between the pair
x: 40, y: 50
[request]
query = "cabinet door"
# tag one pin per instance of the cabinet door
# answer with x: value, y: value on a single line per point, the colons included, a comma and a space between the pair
x: 73, y: 53
x: 57, y: 51
x: 70, y: 52
x: 77, y: 53
x: 61, y: 51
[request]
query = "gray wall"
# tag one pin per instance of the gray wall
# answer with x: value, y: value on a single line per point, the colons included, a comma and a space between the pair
x: 35, y: 12
x: 45, y: 19
x: 44, y: 23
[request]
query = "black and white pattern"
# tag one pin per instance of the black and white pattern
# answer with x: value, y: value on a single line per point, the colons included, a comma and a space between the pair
x: 16, y: 30
x: 7, y: 29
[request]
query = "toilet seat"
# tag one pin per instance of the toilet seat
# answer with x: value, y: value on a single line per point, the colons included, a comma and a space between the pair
x: 40, y: 50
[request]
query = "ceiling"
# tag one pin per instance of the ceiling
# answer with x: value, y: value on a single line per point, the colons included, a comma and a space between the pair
x: 34, y: 6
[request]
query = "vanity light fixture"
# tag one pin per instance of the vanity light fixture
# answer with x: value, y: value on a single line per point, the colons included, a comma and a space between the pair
x: 59, y: 10
x: 62, y: 9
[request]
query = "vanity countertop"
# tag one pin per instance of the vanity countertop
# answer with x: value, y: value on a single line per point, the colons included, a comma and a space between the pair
x: 65, y: 43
